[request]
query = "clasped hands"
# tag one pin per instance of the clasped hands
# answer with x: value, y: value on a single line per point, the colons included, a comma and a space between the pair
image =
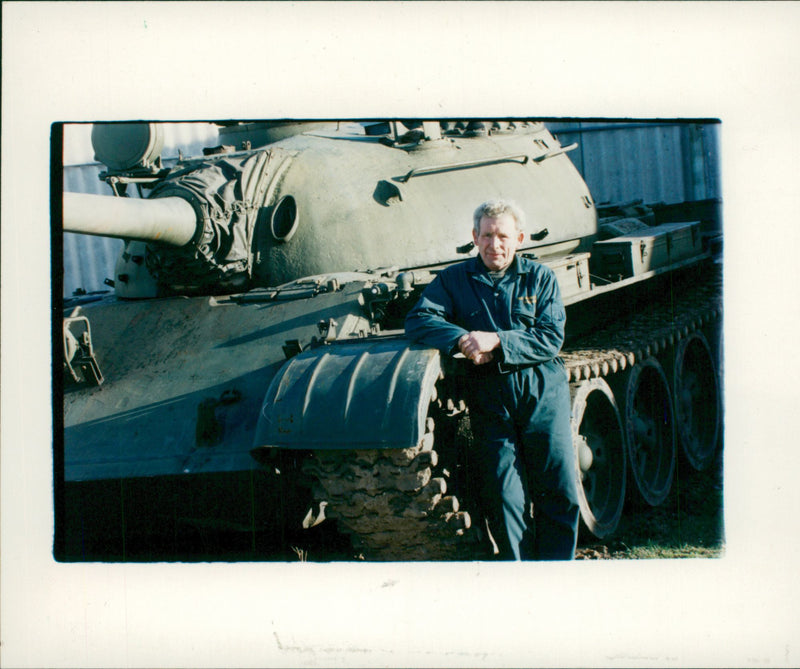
x: 478, y: 346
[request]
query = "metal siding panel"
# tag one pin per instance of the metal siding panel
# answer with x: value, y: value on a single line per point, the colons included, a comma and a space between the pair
x: 704, y: 154
x: 634, y: 178
x: 87, y: 261
x: 652, y: 163
x: 667, y: 179
x: 190, y: 138
x: 659, y: 178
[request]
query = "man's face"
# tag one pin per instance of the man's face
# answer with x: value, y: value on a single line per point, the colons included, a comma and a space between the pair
x: 498, y: 241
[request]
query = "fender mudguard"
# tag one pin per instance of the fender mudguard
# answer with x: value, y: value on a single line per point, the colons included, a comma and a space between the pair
x: 364, y: 394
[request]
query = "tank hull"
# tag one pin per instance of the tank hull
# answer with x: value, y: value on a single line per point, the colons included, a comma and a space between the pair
x: 155, y: 462
x: 184, y: 381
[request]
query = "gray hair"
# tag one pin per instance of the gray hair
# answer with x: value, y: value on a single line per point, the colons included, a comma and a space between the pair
x: 495, y: 208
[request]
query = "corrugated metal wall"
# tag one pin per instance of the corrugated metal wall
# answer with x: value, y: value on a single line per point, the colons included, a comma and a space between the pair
x: 88, y: 260
x: 666, y: 162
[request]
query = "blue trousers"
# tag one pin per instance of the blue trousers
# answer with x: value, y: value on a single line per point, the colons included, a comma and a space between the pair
x: 525, y: 461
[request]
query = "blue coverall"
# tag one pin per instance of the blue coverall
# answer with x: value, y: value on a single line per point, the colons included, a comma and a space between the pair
x: 519, y: 402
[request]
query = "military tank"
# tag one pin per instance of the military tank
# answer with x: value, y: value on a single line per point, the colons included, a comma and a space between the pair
x: 250, y: 373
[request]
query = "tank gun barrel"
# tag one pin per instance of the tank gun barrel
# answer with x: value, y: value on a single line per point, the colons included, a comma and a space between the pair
x: 169, y: 220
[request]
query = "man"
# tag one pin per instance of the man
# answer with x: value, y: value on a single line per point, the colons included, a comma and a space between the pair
x: 504, y: 313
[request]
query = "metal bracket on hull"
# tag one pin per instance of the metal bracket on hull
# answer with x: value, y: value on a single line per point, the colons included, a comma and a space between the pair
x: 79, y: 357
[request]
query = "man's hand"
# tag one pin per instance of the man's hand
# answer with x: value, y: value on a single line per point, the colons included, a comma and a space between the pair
x: 478, y: 346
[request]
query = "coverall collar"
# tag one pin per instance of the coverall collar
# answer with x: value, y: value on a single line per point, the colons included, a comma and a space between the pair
x: 477, y: 269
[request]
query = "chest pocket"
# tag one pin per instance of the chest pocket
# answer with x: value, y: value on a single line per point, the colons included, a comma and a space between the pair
x: 523, y: 310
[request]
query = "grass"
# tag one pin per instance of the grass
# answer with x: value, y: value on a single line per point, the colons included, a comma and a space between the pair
x: 653, y: 551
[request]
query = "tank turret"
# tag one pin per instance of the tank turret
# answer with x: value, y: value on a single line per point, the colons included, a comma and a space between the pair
x: 393, y: 195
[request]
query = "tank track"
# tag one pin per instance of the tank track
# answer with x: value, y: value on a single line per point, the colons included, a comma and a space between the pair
x: 628, y: 341
x: 394, y: 503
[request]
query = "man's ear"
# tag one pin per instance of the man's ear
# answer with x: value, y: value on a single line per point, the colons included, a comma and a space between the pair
x: 520, y: 238
x: 474, y: 236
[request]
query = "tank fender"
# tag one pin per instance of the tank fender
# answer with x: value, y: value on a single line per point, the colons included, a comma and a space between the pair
x: 371, y: 393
